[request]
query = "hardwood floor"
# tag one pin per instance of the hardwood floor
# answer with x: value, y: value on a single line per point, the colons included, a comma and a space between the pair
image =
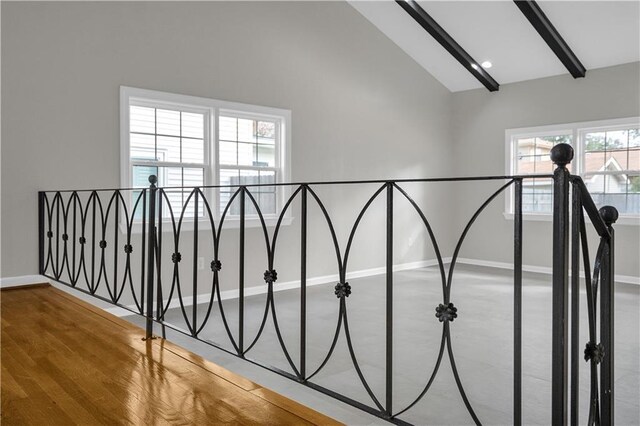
x: 66, y: 362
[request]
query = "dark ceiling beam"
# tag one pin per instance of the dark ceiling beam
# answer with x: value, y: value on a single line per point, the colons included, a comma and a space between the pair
x: 548, y: 32
x: 446, y: 41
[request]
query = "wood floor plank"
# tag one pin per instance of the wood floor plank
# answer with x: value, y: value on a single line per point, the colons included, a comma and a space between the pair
x: 41, y: 406
x: 238, y: 380
x: 66, y: 362
x: 294, y: 407
x: 10, y: 385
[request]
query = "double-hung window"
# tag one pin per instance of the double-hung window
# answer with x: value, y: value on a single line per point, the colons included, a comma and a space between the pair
x: 249, y: 149
x: 171, y: 142
x: 191, y: 142
x: 606, y: 156
x: 610, y: 169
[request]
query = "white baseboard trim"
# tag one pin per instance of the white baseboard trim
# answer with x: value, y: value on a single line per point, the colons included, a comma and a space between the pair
x: 225, y: 294
x: 23, y: 280
x: 287, y: 285
x: 627, y: 279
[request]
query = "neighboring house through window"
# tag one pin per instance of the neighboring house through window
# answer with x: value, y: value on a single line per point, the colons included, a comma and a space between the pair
x: 191, y: 141
x: 607, y: 157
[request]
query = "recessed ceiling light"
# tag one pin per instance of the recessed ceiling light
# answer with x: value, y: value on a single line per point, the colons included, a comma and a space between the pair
x: 474, y: 66
x: 486, y: 64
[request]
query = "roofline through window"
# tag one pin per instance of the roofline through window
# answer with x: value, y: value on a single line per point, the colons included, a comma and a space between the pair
x: 577, y: 130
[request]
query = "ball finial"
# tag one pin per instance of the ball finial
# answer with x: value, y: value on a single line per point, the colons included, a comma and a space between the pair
x: 153, y: 179
x: 561, y: 154
x: 609, y: 214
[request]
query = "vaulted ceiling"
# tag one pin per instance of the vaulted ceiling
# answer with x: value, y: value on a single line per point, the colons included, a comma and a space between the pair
x: 600, y: 34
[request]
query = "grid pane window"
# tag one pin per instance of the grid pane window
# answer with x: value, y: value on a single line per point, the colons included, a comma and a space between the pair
x: 169, y: 143
x: 606, y: 157
x: 533, y: 159
x: 189, y: 141
x: 143, y: 147
x: 166, y: 135
x: 247, y: 156
x: 169, y: 177
x: 612, y: 168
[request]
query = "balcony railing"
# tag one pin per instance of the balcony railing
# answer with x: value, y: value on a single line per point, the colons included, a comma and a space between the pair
x: 88, y: 241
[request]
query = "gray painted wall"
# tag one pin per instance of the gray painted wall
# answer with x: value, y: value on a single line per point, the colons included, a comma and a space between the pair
x: 361, y: 108
x: 479, y: 122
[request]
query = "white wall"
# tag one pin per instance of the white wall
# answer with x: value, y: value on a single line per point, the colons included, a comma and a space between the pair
x: 479, y: 122
x: 361, y: 108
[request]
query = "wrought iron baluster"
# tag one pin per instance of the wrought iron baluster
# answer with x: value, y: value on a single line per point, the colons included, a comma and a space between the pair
x: 82, y: 267
x: 591, y: 285
x: 194, y: 296
x: 93, y: 242
x: 389, y: 303
x: 609, y: 215
x: 115, y: 247
x: 215, y: 265
x: 41, y: 233
x: 303, y: 283
x: 576, y: 210
x: 65, y: 238
x: 517, y: 304
x: 143, y: 249
x: 160, y: 302
x: 217, y: 254
x: 127, y: 248
x: 241, y: 275
x: 561, y: 155
x: 74, y: 280
x: 150, y: 256
x: 102, y: 270
x: 57, y: 200
x: 49, y: 233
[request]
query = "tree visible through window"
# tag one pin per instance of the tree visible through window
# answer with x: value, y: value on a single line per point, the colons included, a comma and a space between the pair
x: 607, y: 156
x: 612, y: 168
x: 533, y: 159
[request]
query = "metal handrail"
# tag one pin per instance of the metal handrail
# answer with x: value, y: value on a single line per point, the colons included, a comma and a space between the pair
x: 590, y: 207
x: 316, y: 183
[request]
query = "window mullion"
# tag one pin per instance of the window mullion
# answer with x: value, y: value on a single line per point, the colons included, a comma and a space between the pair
x: 156, y: 102
x: 169, y: 164
x: 238, y: 167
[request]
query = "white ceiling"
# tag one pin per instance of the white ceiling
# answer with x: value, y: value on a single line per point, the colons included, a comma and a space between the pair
x: 600, y: 33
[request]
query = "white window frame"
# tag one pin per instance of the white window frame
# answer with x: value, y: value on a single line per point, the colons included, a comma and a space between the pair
x: 212, y: 108
x: 577, y: 130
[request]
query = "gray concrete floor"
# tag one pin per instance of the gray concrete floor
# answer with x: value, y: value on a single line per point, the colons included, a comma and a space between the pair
x: 482, y: 342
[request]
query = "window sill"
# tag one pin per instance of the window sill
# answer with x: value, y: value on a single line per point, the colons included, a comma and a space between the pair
x: 205, y: 225
x: 532, y: 217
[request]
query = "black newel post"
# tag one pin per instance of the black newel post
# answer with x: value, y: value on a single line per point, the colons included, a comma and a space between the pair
x: 561, y: 155
x: 609, y: 215
x: 151, y: 254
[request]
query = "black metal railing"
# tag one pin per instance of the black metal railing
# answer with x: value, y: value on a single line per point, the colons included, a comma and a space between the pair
x: 77, y: 230
x: 573, y: 234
